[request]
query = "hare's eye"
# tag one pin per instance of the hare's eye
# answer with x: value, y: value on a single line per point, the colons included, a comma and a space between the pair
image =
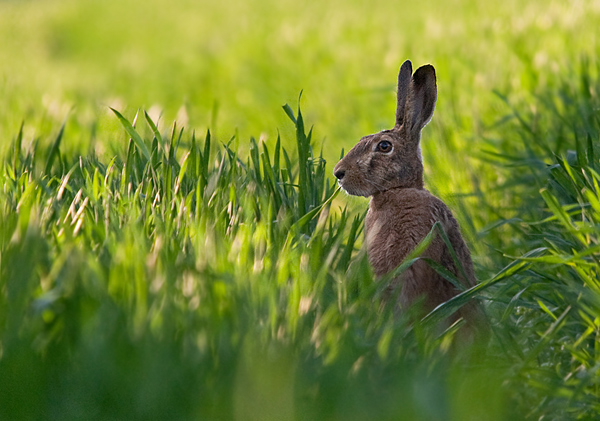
x: 384, y: 146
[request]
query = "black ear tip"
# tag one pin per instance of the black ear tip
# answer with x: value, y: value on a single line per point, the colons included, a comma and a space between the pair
x: 426, y: 69
x: 424, y: 72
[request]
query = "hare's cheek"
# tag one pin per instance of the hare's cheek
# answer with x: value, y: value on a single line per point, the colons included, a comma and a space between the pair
x: 365, y: 164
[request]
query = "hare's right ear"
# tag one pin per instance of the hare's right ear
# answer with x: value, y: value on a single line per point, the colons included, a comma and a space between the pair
x: 420, y: 101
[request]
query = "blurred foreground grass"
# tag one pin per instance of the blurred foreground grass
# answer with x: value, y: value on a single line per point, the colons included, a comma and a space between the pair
x: 210, y: 286
x: 165, y: 272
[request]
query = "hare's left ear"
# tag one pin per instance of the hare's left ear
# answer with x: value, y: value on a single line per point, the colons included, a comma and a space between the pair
x: 404, y: 77
x: 420, y: 101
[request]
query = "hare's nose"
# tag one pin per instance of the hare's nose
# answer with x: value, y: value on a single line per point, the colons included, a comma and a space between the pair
x: 339, y: 174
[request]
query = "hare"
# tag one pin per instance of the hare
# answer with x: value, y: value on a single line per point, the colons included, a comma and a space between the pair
x: 388, y: 167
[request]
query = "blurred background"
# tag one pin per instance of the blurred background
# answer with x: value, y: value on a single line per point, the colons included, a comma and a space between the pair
x: 230, y: 65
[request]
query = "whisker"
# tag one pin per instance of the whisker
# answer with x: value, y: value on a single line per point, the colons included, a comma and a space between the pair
x: 379, y: 187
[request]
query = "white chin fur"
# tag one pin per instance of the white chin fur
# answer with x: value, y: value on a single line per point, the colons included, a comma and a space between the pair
x: 352, y: 191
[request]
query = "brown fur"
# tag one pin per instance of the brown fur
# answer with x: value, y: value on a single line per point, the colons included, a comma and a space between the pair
x: 401, y: 212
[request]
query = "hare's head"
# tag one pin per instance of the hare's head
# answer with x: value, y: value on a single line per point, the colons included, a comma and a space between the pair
x: 392, y: 158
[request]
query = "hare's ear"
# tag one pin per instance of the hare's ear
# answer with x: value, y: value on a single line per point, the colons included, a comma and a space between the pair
x: 422, y: 95
x: 403, y: 83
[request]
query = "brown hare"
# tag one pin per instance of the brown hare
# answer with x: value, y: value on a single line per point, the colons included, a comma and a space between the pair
x: 387, y: 166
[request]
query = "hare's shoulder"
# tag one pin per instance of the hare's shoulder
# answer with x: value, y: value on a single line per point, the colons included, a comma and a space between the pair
x: 397, y: 222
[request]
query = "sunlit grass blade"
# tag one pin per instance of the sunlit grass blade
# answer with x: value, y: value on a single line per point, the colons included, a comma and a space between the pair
x: 134, y: 134
x: 154, y: 129
x: 54, y: 151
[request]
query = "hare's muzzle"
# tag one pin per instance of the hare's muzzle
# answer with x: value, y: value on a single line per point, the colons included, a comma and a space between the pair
x: 339, y: 174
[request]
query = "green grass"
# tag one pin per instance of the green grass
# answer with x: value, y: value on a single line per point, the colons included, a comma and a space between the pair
x: 188, y: 270
x: 181, y: 275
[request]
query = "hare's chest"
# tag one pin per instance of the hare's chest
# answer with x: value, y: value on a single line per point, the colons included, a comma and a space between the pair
x: 391, y: 237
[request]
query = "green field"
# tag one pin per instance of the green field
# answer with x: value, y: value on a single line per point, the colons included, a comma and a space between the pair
x: 188, y: 255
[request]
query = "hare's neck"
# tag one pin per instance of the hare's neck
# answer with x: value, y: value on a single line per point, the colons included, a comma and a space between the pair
x: 380, y: 199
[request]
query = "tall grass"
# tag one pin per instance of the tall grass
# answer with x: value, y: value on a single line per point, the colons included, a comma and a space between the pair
x: 183, y: 280
x: 549, y: 309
